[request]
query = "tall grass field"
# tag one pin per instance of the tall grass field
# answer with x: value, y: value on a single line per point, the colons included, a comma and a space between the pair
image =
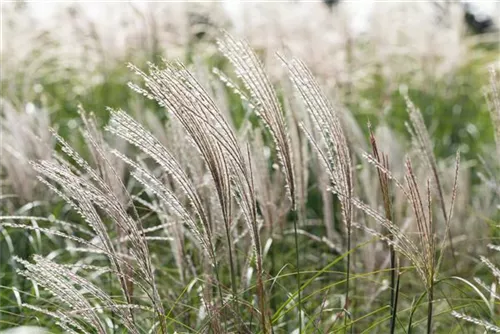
x: 267, y: 167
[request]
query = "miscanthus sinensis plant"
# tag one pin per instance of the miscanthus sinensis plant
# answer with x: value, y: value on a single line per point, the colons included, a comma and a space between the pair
x: 186, y: 228
x: 487, y: 291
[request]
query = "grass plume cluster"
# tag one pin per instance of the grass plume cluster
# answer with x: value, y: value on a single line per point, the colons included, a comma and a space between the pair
x: 180, y: 223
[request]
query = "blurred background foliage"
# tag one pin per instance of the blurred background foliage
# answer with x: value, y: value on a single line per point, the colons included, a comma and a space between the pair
x: 434, y: 55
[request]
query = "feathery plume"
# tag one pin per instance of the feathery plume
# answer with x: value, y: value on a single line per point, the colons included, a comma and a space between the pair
x: 421, y: 137
x: 487, y: 325
x: 336, y: 156
x: 263, y: 97
x: 175, y: 88
x: 84, y: 190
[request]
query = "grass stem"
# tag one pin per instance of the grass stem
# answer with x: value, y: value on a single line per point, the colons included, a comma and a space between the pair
x: 297, y: 261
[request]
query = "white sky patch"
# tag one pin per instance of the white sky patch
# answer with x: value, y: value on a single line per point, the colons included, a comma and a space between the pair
x: 360, y: 9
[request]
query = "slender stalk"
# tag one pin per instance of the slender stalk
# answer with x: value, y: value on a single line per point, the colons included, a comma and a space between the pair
x: 430, y: 307
x: 297, y: 259
x: 394, y: 279
x: 395, y: 304
x: 432, y: 259
x: 348, y: 221
x: 261, y: 293
x: 272, y: 253
x: 348, y: 273
x: 384, y: 187
x: 393, y: 289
